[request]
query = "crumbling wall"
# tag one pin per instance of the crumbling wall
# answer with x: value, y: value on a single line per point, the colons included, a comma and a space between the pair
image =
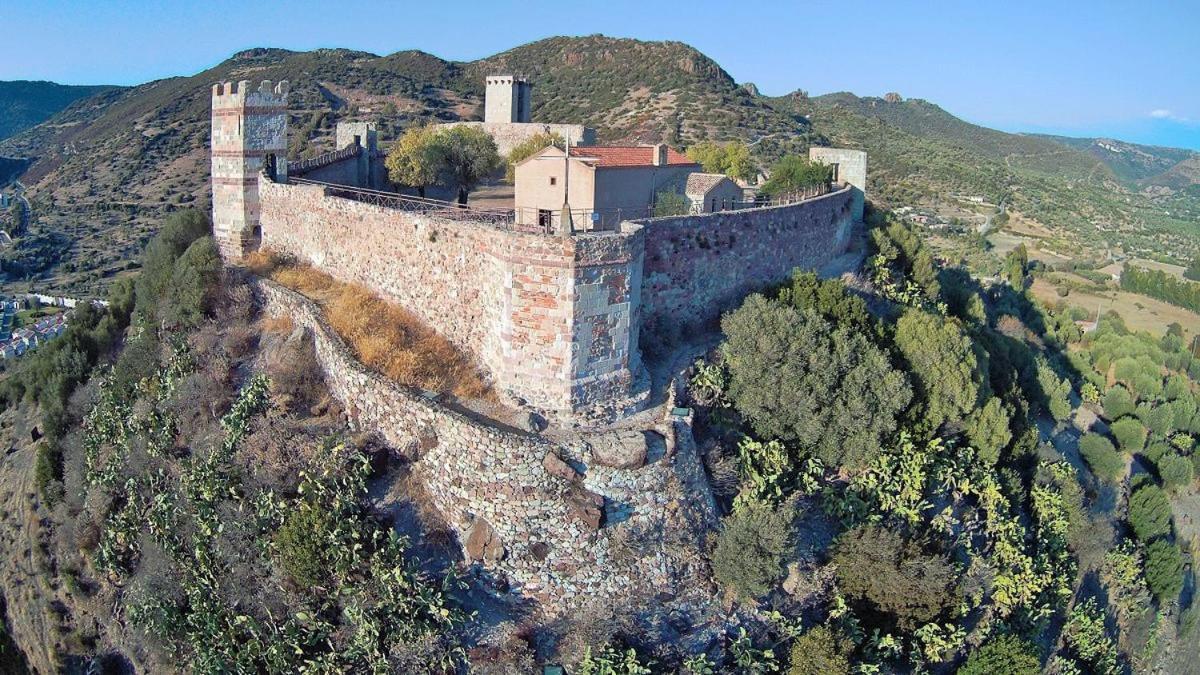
x: 610, y: 519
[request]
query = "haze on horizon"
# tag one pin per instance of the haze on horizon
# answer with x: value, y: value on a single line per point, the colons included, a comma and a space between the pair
x: 1080, y: 69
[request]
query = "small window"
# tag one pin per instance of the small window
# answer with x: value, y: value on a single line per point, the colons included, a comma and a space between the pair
x: 554, y: 180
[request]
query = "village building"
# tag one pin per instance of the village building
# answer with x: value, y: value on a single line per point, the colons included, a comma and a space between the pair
x: 602, y: 184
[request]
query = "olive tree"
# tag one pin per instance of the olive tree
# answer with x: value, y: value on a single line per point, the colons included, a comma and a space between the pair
x: 417, y: 159
x: 470, y: 155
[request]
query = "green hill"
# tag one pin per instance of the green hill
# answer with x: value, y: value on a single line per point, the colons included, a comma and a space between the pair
x: 24, y: 104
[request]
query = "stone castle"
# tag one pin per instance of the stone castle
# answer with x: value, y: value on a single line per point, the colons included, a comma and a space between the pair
x: 555, y: 316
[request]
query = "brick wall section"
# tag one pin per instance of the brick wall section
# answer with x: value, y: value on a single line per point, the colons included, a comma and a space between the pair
x: 474, y: 471
x: 697, y: 267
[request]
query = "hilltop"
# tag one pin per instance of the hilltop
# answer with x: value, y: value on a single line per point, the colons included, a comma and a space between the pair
x: 108, y: 165
x: 24, y: 104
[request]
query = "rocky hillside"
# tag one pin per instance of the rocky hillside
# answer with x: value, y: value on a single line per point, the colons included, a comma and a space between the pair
x: 107, y: 166
x: 24, y: 104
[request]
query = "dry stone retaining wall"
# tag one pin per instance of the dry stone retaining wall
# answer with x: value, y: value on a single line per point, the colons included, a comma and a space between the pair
x: 528, y: 504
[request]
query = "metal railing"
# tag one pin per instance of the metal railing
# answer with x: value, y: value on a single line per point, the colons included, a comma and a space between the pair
x: 433, y: 207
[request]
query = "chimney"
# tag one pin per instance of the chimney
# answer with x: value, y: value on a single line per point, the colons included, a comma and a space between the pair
x: 660, y: 154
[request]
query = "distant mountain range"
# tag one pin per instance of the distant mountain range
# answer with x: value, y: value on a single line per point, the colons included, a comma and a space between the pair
x: 24, y: 104
x: 144, y: 148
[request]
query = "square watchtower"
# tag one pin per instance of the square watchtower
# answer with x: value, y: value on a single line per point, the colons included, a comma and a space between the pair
x: 249, y: 133
x: 508, y: 99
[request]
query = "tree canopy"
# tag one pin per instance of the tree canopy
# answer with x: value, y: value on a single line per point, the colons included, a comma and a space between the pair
x: 528, y: 148
x: 798, y: 378
x: 731, y: 159
x: 417, y: 159
x: 795, y: 172
x: 948, y: 368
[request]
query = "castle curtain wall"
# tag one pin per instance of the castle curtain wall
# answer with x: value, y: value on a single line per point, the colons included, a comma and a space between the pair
x: 699, y: 266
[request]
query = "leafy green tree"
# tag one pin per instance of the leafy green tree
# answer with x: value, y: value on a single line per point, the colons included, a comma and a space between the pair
x: 1130, y: 434
x: 417, y: 159
x: 797, y: 378
x: 945, y: 365
x: 820, y: 651
x: 1015, y: 265
x: 158, y: 262
x: 193, y: 284
x: 1164, y: 570
x: 1175, y: 471
x: 470, y: 154
x: 671, y: 203
x: 1003, y: 655
x: 830, y: 298
x: 1149, y: 513
x: 988, y: 430
x: 528, y: 148
x: 795, y: 172
x: 752, y: 542
x: 885, y: 573
x: 1102, y: 457
x: 1055, y: 391
x: 1117, y: 402
x: 731, y: 159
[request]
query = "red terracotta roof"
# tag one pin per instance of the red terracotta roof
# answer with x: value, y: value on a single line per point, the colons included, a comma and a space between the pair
x: 627, y: 155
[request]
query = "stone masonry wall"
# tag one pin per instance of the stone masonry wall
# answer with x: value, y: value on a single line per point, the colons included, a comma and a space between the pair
x: 526, y: 509
x: 550, y: 318
x: 699, y: 266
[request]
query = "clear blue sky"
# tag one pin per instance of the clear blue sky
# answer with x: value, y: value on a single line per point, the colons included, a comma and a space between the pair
x: 1124, y: 69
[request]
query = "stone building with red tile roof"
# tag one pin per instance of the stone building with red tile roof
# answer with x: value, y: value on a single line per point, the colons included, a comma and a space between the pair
x: 603, y: 184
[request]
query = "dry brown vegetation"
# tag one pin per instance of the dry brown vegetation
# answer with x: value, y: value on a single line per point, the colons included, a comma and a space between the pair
x: 382, y: 335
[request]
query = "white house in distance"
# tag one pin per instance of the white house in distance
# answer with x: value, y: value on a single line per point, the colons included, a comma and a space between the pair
x: 608, y: 184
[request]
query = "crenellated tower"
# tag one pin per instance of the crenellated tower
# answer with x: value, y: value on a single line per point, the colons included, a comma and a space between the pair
x: 249, y: 132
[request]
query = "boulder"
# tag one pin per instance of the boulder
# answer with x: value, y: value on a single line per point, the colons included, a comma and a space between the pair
x: 555, y: 466
x: 585, y: 506
x: 624, y: 450
x: 483, y: 543
x: 534, y: 423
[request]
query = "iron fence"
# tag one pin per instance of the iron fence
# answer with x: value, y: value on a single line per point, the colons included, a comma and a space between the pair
x: 425, y: 205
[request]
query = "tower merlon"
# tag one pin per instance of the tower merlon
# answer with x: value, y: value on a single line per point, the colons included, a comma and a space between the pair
x: 235, y: 94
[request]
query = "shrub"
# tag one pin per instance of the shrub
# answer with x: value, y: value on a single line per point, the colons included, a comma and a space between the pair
x: 1102, y: 457
x: 301, y: 546
x: 753, y: 540
x: 988, y: 430
x: 1164, y: 570
x: 1175, y: 471
x: 945, y: 365
x: 1149, y: 513
x: 193, y: 282
x: 820, y: 651
x: 829, y: 298
x: 1130, y: 434
x: 528, y: 148
x: 797, y: 378
x: 47, y: 473
x: 1117, y: 402
x: 1156, y: 451
x: 671, y: 203
x: 894, y: 577
x: 1003, y: 655
x: 612, y: 660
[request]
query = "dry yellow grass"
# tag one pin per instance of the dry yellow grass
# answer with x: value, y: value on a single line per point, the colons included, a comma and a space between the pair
x: 382, y: 335
x: 281, y: 325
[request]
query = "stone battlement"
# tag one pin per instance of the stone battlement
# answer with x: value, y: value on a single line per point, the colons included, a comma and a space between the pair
x: 239, y: 94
